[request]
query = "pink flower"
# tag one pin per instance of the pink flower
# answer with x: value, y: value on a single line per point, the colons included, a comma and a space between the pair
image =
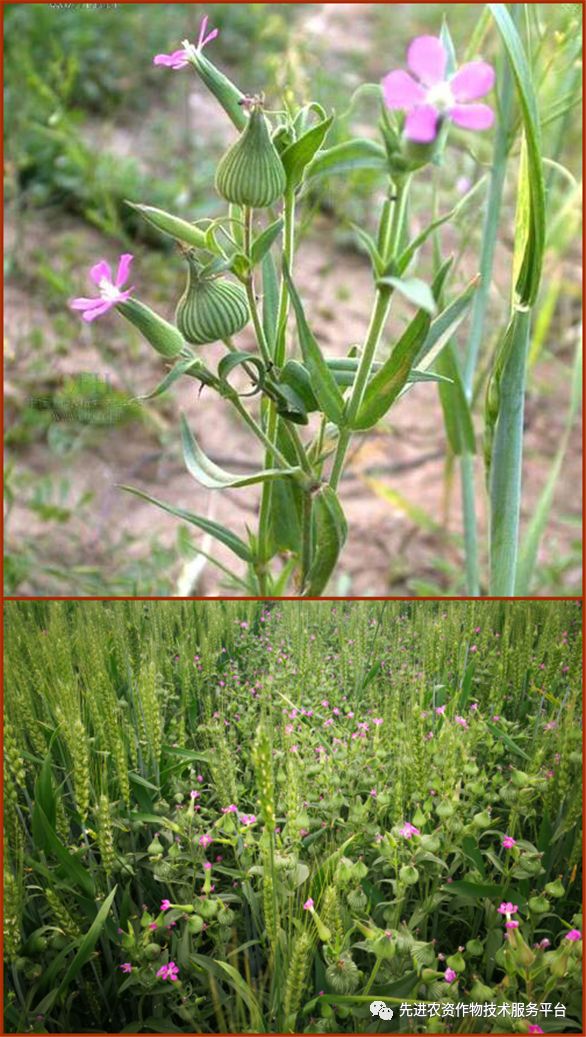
x: 325, y: 703
x: 440, y: 710
x: 205, y: 840
x: 496, y: 718
x: 450, y: 975
x: 200, y: 778
x: 232, y: 809
x: 207, y: 866
x: 169, y: 971
x: 377, y: 721
x: 194, y: 794
x: 247, y: 819
x: 508, y: 842
x: 507, y: 908
x: 308, y: 905
x: 126, y: 967
x: 474, y: 648
x: 109, y: 288
x: 373, y: 793
x: 461, y: 721
x: 153, y: 925
x: 535, y: 1029
x: 180, y: 58
x: 165, y: 905
x: 431, y: 96
x: 511, y: 924
x: 408, y: 830
x: 573, y: 935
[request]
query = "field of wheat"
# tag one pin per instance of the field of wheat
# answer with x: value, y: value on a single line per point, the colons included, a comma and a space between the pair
x: 251, y: 817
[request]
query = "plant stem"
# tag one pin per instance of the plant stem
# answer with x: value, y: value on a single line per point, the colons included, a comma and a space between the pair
x: 479, y: 311
x: 373, y: 975
x: 258, y: 431
x: 250, y: 294
x: 306, y: 552
x: 391, y: 233
x: 272, y: 416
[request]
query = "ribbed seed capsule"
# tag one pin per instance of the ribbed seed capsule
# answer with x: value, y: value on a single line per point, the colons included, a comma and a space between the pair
x: 251, y: 172
x: 210, y: 308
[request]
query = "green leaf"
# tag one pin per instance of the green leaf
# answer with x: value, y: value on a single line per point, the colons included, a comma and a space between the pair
x: 232, y: 360
x: 414, y: 290
x: 508, y: 741
x: 529, y: 274
x: 385, y: 386
x: 82, y: 955
x: 455, y: 406
x: 174, y: 226
x: 262, y: 244
x: 483, y: 890
x: 210, y: 475
x: 286, y: 504
x: 298, y: 155
x: 369, y: 244
x: 330, y: 530
x: 225, y: 536
x: 227, y: 973
x: 358, y: 153
x: 443, y: 327
x: 188, y: 366
x: 50, y: 843
x: 45, y: 801
x: 323, y: 383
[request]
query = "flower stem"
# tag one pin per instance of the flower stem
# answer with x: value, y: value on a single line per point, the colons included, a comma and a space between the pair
x: 279, y: 358
x: 390, y: 242
x: 250, y: 294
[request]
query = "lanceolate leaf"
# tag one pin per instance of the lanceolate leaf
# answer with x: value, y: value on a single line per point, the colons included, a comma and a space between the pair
x: 264, y: 241
x: 206, y: 525
x: 383, y: 389
x: 330, y: 530
x: 211, y: 475
x: 174, y: 226
x: 298, y: 155
x: 530, y: 267
x: 457, y: 415
x: 414, y: 290
x: 50, y: 843
x: 359, y: 153
x: 323, y: 382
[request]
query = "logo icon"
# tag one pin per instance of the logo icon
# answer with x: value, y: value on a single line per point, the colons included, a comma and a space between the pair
x: 379, y: 1008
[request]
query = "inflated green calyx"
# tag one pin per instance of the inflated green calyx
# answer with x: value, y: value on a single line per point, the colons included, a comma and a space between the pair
x: 211, y: 308
x: 251, y: 172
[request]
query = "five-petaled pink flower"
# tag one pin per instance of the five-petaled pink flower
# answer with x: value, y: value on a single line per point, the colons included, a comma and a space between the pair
x: 461, y: 721
x: 126, y: 967
x: 440, y: 710
x: 231, y: 809
x: 180, y: 58
x: 432, y: 96
x: 110, y: 289
x: 408, y: 830
x: 308, y: 905
x: 508, y: 842
x: 535, y: 1029
x: 573, y: 935
x: 247, y: 819
x: 205, y: 840
x: 507, y: 908
x: 511, y: 923
x: 165, y: 905
x: 450, y: 975
x: 169, y: 971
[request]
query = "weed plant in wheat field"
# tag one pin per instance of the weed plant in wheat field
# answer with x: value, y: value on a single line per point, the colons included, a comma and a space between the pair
x: 253, y: 817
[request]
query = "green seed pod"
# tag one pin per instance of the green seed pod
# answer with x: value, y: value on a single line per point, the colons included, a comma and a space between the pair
x: 409, y: 875
x: 153, y: 951
x: 251, y: 172
x: 555, y: 889
x: 444, y: 809
x: 475, y: 948
x: 357, y: 899
x: 195, y: 924
x: 207, y: 908
x: 161, y: 335
x: 539, y: 905
x: 456, y: 962
x: 343, y: 976
x: 480, y: 992
x: 481, y: 820
x: 210, y: 308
